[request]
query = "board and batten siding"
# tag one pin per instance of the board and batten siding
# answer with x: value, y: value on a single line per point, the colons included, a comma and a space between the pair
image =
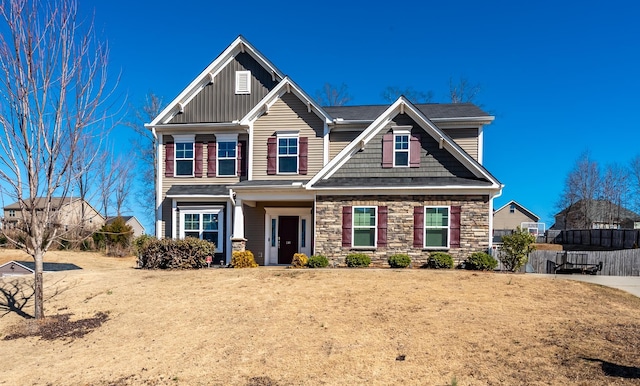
x: 288, y: 114
x: 218, y: 101
x: 434, y: 162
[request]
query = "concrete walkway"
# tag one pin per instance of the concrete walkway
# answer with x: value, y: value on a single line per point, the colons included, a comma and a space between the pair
x: 629, y: 284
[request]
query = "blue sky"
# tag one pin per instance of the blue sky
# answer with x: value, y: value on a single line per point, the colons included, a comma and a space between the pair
x: 560, y: 77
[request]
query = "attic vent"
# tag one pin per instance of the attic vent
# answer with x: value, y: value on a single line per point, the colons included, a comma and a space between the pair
x: 243, y: 82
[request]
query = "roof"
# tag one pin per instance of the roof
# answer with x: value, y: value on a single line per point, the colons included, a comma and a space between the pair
x: 522, y: 209
x: 125, y: 218
x: 430, y: 110
x: 600, y: 210
x: 197, y: 190
x: 401, y: 182
x: 40, y: 202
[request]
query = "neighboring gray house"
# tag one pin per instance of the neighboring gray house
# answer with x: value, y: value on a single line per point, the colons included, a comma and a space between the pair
x: 132, y: 221
x: 248, y: 160
x: 596, y: 214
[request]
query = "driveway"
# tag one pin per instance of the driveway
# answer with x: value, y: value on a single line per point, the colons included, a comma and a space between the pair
x: 629, y: 284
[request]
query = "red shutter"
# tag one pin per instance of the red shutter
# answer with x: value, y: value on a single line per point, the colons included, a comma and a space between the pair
x: 272, y: 149
x: 418, y: 227
x: 346, y: 226
x: 414, y: 149
x: 455, y: 227
x: 242, y: 152
x: 303, y: 143
x: 198, y: 169
x: 239, y: 159
x: 211, y: 159
x: 168, y: 159
x: 382, y: 226
x: 387, y: 150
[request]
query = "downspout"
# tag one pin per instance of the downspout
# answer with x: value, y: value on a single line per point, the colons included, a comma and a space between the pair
x: 491, y: 216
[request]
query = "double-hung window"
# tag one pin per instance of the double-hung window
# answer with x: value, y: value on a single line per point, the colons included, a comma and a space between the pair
x: 364, y: 226
x: 401, y: 149
x: 288, y: 154
x: 184, y: 159
x: 227, y: 153
x: 436, y: 227
x: 204, y: 224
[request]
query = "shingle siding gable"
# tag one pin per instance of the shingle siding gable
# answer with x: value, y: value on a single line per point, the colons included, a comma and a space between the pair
x: 435, y: 162
x: 218, y: 102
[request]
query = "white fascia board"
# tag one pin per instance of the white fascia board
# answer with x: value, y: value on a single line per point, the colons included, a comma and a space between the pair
x: 272, y: 97
x: 484, y: 119
x: 274, y: 196
x: 224, y: 197
x: 520, y: 206
x: 238, y: 45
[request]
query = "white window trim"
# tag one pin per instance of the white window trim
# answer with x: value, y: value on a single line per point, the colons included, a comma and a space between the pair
x: 287, y: 136
x: 184, y: 138
x: 353, y: 227
x: 216, y: 210
x: 400, y: 131
x: 424, y: 231
x: 226, y: 138
x: 239, y: 76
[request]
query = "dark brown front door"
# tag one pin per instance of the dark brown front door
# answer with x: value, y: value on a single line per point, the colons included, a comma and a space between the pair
x: 288, y: 238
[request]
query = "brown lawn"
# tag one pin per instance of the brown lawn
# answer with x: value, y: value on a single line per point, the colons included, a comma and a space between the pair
x: 277, y: 326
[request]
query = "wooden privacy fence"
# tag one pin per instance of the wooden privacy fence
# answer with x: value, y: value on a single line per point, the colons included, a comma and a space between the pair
x: 608, y: 238
x: 625, y: 262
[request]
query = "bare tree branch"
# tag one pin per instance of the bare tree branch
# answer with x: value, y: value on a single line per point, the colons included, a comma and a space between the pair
x: 331, y: 95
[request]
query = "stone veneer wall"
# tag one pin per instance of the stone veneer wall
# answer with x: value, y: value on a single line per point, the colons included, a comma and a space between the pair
x: 474, y: 226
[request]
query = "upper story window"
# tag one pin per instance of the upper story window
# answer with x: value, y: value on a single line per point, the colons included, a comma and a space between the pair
x: 288, y: 154
x: 401, y: 150
x: 227, y: 157
x: 364, y: 226
x: 184, y: 159
x: 243, y: 82
x: 436, y: 227
x: 12, y: 213
x: 512, y: 208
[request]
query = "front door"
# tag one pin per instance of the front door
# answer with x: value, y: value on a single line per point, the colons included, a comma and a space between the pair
x: 287, y: 238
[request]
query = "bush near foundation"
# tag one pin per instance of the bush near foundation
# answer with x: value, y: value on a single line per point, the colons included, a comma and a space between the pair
x: 243, y: 259
x: 356, y: 260
x: 300, y: 260
x: 399, y: 261
x: 189, y: 253
x: 318, y: 261
x: 440, y: 260
x: 480, y: 261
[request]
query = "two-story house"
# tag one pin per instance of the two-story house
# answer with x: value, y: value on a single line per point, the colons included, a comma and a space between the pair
x: 248, y: 160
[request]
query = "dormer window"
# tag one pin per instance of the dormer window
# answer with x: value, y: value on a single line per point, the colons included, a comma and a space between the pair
x: 401, y: 141
x: 243, y: 82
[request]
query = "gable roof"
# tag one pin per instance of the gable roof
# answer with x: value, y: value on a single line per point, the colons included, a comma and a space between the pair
x: 600, y: 210
x: 434, y: 111
x: 522, y: 209
x: 285, y: 86
x: 403, y: 106
x: 209, y: 73
x: 40, y: 202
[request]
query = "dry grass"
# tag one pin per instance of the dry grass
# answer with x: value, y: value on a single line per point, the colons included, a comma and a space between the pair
x: 276, y: 326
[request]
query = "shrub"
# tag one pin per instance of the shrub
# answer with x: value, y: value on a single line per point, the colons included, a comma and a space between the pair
x: 358, y: 260
x: 140, y: 242
x: 189, y: 253
x: 440, y: 260
x: 115, y: 237
x: 516, y: 248
x: 318, y: 261
x: 300, y: 260
x: 399, y: 261
x: 243, y: 259
x: 481, y: 261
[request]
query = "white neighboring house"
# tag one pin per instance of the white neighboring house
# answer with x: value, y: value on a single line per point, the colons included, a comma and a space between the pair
x: 132, y: 221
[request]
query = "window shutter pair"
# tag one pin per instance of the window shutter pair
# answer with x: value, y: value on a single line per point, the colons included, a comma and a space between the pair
x: 272, y: 155
x: 418, y: 227
x: 347, y: 222
x: 387, y: 151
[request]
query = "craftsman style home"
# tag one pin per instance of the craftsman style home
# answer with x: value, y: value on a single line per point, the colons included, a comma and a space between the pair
x: 246, y: 159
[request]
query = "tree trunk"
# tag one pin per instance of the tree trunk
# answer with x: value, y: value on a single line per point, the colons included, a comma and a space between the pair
x: 38, y: 285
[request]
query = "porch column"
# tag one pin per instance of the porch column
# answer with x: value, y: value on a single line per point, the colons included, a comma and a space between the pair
x: 238, y: 242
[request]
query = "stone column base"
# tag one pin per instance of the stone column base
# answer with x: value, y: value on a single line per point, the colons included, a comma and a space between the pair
x: 238, y: 244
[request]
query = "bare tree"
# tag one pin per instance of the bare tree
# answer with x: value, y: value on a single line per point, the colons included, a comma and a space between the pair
x: 146, y: 151
x: 391, y: 93
x: 614, y: 189
x: 582, y: 185
x: 331, y: 95
x: 634, y: 180
x: 53, y: 90
x: 122, y: 183
x: 463, y: 91
x: 107, y: 175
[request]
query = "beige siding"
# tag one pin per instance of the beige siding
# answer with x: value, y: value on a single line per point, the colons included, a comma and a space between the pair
x: 503, y: 219
x: 287, y: 114
x: 338, y: 140
x: 467, y: 139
